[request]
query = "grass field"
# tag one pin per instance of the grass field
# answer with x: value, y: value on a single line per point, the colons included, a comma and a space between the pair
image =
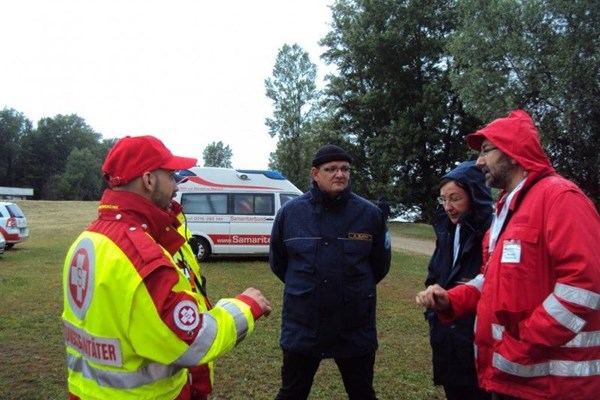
x: 418, y: 231
x: 32, y: 353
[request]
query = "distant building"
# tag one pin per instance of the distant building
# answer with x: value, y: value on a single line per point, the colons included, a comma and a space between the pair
x: 12, y: 193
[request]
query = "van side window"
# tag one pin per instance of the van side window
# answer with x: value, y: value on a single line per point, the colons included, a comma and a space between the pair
x: 204, y: 203
x: 263, y: 204
x: 243, y: 204
x: 254, y: 204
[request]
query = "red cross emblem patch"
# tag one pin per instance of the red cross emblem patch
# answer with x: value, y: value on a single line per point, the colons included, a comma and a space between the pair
x: 80, y: 279
x: 186, y: 315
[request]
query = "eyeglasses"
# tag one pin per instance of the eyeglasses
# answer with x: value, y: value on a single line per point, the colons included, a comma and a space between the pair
x: 452, y: 199
x: 484, y: 152
x: 334, y: 170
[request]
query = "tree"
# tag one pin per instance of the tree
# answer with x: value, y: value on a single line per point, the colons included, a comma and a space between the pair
x: 13, y: 126
x: 392, y: 98
x: 44, y: 150
x: 543, y: 56
x: 293, y: 90
x: 81, y: 180
x: 217, y: 155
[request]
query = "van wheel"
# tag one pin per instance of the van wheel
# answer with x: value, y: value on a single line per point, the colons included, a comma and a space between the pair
x: 203, y: 249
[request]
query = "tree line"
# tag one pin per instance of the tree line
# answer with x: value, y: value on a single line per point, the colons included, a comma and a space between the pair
x: 415, y: 77
x: 61, y: 158
x: 412, y: 79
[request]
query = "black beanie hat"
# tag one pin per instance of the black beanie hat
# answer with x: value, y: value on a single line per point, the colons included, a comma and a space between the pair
x: 328, y: 153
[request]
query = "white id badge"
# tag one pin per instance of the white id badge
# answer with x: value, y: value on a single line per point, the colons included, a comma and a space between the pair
x: 511, y: 251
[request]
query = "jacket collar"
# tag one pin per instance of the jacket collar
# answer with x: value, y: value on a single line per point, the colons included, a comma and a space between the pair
x: 136, y: 210
x: 319, y: 197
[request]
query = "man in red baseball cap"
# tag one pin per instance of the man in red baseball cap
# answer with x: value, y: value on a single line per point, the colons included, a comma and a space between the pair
x: 147, y: 158
x: 135, y: 321
x: 131, y: 156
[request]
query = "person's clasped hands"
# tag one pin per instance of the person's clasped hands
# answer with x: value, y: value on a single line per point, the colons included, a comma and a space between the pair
x: 434, y: 297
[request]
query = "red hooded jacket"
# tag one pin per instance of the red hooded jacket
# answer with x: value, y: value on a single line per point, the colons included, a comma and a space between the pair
x: 537, y: 334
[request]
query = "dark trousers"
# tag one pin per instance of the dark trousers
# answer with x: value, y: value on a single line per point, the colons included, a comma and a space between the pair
x: 498, y: 396
x: 298, y: 372
x: 466, y: 392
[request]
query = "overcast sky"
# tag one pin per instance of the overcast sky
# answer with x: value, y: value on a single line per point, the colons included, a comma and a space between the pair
x: 190, y: 72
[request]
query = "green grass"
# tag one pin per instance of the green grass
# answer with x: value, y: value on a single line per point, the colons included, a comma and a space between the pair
x: 418, y: 231
x: 31, y: 344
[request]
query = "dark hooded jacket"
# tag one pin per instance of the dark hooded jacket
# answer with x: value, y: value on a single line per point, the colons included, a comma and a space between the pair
x: 452, y: 345
x: 537, y: 333
x: 330, y: 253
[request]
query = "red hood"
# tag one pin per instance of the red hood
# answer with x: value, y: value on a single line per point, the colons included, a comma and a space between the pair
x: 517, y: 136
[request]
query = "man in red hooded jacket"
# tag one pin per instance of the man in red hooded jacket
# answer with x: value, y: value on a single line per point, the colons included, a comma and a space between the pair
x: 537, y: 299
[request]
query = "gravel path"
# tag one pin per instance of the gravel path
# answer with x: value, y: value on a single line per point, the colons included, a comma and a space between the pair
x: 412, y: 245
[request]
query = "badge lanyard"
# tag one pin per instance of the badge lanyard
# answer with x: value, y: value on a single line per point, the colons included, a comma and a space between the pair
x: 192, y: 278
x: 456, y: 243
x: 500, y: 219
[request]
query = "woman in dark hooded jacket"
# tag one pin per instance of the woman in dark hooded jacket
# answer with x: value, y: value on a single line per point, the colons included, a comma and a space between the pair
x: 460, y: 223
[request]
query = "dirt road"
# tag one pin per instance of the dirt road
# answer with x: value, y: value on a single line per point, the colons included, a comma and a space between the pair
x: 412, y: 245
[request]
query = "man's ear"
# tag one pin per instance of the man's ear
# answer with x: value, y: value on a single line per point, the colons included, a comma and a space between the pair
x: 314, y: 171
x: 148, y: 180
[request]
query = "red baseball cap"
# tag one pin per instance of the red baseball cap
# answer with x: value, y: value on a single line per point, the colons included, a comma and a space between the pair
x: 131, y: 156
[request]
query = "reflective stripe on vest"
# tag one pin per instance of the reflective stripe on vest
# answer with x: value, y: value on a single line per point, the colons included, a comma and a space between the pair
x: 477, y: 282
x: 497, y: 331
x: 582, y: 339
x: 567, y: 319
x: 241, y: 324
x: 562, y: 314
x: 121, y: 380
x: 206, y: 337
x: 578, y: 296
x: 525, y: 371
x: 585, y: 339
x: 553, y: 367
x: 200, y: 347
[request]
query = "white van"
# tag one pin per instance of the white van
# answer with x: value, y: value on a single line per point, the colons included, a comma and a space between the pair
x: 230, y: 211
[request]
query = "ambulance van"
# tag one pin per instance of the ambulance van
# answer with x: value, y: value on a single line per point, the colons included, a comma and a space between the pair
x: 231, y: 212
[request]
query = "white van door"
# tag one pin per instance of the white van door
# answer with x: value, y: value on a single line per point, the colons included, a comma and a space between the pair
x: 251, y: 222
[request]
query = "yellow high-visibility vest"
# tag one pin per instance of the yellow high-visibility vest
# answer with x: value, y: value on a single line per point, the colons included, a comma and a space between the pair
x: 118, y: 345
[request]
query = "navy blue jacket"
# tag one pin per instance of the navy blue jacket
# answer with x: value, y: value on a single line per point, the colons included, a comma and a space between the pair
x: 330, y: 254
x: 452, y: 345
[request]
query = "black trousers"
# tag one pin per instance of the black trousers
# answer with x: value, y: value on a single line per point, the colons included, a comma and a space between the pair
x: 466, y: 392
x: 498, y: 396
x: 298, y: 372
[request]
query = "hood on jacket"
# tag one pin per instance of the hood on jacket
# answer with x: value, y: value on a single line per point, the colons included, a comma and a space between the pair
x: 471, y: 177
x: 516, y: 136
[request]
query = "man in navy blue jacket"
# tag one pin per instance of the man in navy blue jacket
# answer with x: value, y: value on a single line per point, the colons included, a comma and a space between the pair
x: 330, y: 247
